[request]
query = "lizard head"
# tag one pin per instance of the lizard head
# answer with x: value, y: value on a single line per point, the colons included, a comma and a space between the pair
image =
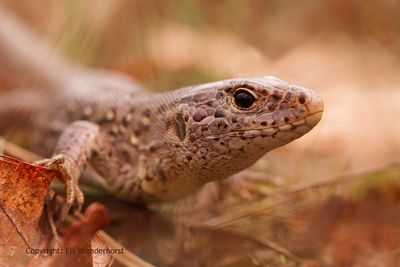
x: 221, y: 128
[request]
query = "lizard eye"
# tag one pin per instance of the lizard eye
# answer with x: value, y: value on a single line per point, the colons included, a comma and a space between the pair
x: 243, y: 98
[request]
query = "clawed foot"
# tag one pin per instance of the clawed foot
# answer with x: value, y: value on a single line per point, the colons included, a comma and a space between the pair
x: 74, y: 194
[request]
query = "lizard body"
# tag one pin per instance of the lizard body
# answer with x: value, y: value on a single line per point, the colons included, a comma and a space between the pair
x: 155, y: 147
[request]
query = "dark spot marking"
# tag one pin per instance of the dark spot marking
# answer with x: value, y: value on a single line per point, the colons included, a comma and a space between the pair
x: 222, y: 143
x: 199, y: 115
x: 180, y: 127
x: 146, y: 112
x: 161, y: 173
x: 126, y: 120
x: 186, y: 117
x: 286, y: 119
x: 148, y: 178
x: 219, y: 95
x: 192, y: 138
x: 186, y: 99
x: 102, y: 121
x: 198, y: 98
x: 272, y: 106
x: 273, y: 122
x: 189, y: 157
x: 234, y: 119
x: 264, y: 123
x: 274, y: 135
x: 276, y: 96
x: 143, y: 127
x: 219, y: 113
x: 288, y: 96
x: 209, y: 103
x: 162, y: 108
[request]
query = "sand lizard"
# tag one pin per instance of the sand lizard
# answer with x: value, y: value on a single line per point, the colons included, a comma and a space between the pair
x: 141, y: 146
x: 161, y: 146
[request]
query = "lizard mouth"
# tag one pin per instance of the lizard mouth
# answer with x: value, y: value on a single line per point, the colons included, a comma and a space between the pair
x: 298, y: 127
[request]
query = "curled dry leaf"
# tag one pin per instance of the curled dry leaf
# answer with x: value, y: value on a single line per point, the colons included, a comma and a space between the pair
x: 23, y: 224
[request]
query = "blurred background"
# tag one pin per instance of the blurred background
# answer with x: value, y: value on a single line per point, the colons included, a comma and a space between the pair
x: 346, y: 50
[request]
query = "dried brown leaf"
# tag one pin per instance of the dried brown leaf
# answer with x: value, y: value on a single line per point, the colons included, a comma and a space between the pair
x: 24, y: 188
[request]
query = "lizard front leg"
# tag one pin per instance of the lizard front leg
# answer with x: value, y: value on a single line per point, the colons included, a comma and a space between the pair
x: 74, y: 149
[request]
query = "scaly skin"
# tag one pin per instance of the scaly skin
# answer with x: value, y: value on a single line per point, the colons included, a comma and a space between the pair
x: 155, y: 147
x: 141, y: 146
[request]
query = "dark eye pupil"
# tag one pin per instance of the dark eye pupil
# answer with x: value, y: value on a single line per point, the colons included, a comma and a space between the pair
x: 244, y: 99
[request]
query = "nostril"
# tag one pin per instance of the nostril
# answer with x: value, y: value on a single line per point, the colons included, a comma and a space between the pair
x: 302, y: 99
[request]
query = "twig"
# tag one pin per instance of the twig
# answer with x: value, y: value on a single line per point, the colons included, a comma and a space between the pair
x: 127, y: 258
x: 345, y: 177
x: 277, y: 248
x: 19, y: 152
x: 2, y: 145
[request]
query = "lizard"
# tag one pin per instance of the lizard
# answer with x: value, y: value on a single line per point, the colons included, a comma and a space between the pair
x: 149, y: 147
x: 141, y: 146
